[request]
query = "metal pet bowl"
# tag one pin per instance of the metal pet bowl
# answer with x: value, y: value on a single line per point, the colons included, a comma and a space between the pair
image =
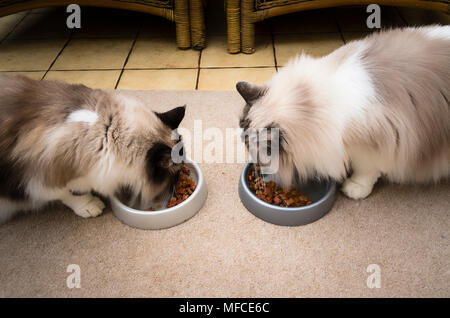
x: 322, y: 194
x: 165, y: 218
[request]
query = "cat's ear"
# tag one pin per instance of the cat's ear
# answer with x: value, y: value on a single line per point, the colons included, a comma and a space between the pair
x: 173, y: 118
x: 250, y: 92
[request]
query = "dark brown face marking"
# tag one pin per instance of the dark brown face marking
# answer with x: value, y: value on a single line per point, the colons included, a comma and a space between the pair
x: 11, y: 176
x: 244, y: 122
x: 158, y: 161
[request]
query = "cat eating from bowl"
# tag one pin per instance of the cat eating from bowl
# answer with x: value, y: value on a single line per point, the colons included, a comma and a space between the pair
x: 374, y: 107
x: 61, y: 142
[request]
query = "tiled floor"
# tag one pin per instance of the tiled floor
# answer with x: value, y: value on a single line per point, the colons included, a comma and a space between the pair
x: 129, y: 50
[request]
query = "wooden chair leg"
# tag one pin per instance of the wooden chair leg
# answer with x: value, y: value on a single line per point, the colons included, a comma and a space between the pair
x: 197, y: 17
x: 183, y: 27
x: 233, y: 13
x: 247, y: 26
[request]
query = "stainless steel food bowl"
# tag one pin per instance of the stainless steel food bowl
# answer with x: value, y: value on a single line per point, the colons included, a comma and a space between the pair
x: 322, y: 194
x: 165, y: 218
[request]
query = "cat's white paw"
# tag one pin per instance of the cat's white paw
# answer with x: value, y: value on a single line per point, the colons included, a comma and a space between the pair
x: 356, y: 190
x: 94, y: 207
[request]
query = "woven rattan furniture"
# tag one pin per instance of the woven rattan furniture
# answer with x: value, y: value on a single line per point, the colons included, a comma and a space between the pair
x: 187, y: 14
x: 243, y: 14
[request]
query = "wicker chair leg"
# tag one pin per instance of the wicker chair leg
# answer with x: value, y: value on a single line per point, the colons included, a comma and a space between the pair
x: 233, y: 11
x: 197, y: 16
x: 248, y: 26
x: 182, y: 24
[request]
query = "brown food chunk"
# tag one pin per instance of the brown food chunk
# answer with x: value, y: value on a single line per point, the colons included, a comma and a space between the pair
x: 184, y: 187
x: 270, y: 192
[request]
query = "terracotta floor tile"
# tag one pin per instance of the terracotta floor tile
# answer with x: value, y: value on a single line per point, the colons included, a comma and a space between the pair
x: 93, y: 79
x: 159, y: 79
x: 161, y: 52
x: 29, y: 55
x: 33, y: 75
x: 83, y: 54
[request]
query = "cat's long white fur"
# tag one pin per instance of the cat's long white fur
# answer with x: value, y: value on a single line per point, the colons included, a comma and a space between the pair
x: 345, y: 93
x: 337, y: 112
x: 82, y: 115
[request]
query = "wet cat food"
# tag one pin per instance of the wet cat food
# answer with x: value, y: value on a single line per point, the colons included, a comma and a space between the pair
x: 271, y: 193
x: 184, y: 187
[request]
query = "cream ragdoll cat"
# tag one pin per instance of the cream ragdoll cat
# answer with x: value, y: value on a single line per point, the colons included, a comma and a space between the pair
x: 377, y: 107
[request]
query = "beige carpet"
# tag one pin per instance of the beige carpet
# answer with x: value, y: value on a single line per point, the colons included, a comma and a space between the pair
x: 224, y: 251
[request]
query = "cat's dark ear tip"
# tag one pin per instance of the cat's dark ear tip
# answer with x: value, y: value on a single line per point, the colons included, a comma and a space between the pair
x: 173, y: 117
x: 240, y: 85
x: 181, y: 110
x: 250, y: 92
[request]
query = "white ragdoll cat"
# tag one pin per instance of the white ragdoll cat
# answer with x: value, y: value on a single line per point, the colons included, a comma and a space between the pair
x: 377, y: 107
x: 60, y: 142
